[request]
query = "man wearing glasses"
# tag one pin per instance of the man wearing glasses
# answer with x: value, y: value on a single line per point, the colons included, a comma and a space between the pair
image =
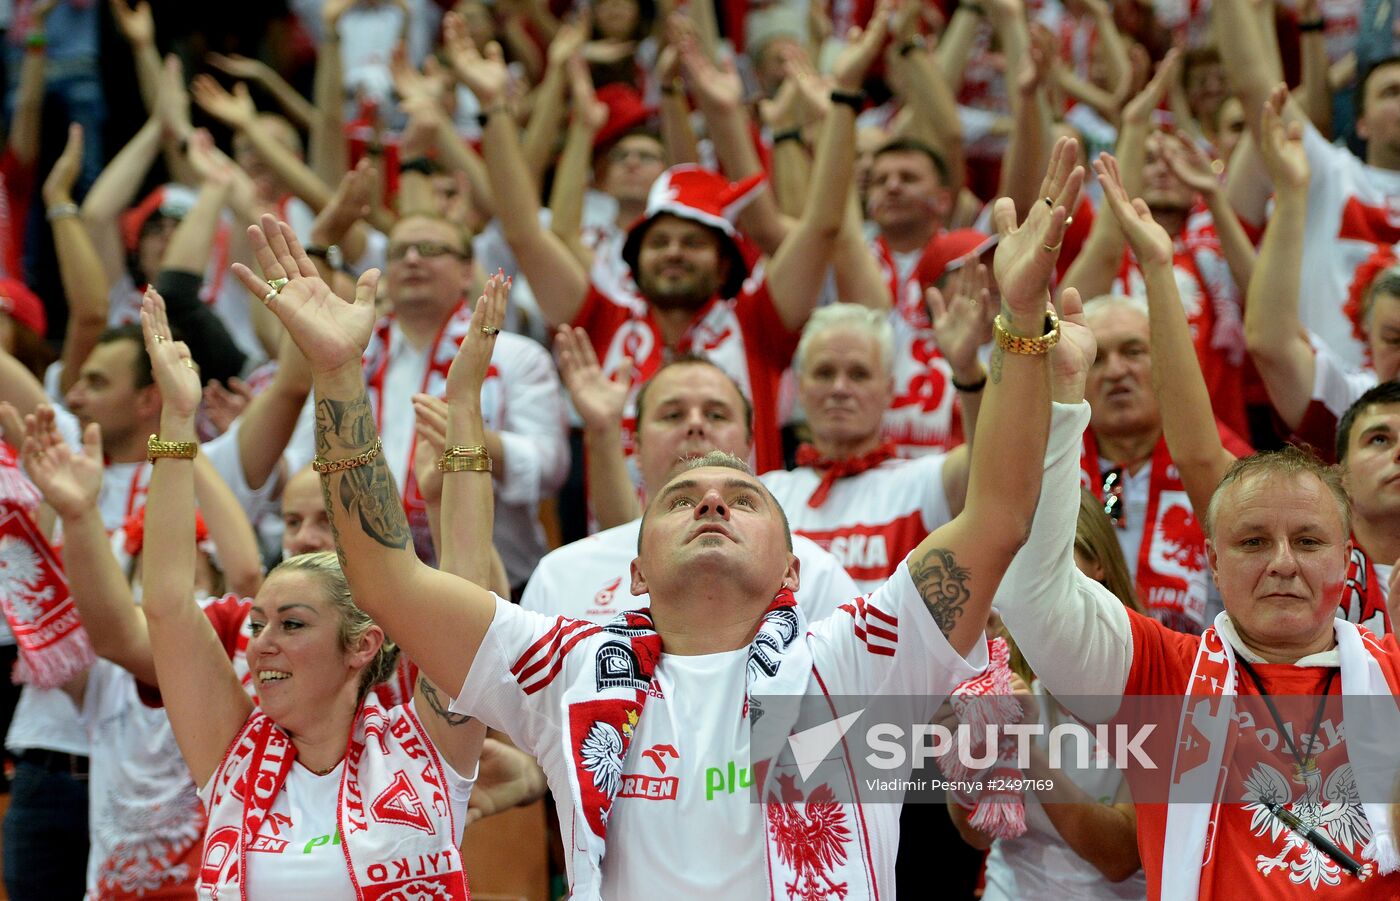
x: 429, y: 265
x: 1126, y: 464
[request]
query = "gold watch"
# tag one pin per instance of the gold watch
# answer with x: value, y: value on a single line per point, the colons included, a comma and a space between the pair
x: 180, y: 450
x: 1017, y: 345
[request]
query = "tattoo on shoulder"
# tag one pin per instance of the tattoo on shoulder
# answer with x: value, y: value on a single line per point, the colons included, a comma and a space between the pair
x: 439, y: 704
x: 943, y: 585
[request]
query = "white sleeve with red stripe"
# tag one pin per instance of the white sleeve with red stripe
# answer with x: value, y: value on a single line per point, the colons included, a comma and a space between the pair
x: 518, y: 678
x: 887, y: 643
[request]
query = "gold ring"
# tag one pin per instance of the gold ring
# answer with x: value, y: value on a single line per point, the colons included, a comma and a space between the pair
x: 490, y: 330
x: 159, y: 338
x: 189, y: 364
x: 277, y: 284
x: 1049, y: 249
x: 1050, y: 203
x: 1069, y: 220
x: 1217, y: 166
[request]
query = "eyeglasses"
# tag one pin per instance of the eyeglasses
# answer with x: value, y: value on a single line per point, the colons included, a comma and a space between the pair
x: 1112, y: 493
x: 428, y: 250
x: 622, y: 154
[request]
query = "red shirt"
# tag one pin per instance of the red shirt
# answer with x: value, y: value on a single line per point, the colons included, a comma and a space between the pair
x: 744, y: 336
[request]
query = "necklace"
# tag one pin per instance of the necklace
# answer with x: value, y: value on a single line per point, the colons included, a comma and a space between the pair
x: 326, y: 770
x: 1305, y: 765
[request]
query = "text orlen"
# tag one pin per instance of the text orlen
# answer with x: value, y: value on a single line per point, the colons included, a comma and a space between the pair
x: 891, y: 747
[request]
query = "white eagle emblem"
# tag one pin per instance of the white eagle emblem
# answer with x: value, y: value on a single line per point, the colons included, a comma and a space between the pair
x: 20, y: 571
x: 601, y: 753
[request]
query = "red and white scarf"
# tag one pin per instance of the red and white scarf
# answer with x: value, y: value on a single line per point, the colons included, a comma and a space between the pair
x: 1171, y: 564
x: 1191, y: 828
x: 602, y: 714
x: 832, y: 470
x: 394, y: 816
x: 1363, y: 596
x: 449, y: 338
x: 53, y: 645
x: 982, y: 701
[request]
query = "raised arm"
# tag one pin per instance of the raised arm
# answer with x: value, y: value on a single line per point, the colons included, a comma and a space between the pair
x: 113, y: 192
x: 547, y: 115
x: 437, y: 618
x: 79, y: 267
x: 206, y: 703
x: 795, y: 273
x: 1187, y: 419
x: 962, y: 324
x: 1189, y: 163
x: 326, y: 148
x: 958, y: 567
x: 1028, y: 147
x: 298, y: 108
x: 1273, y: 331
x: 1251, y: 67
x: 589, y: 115
x: 559, y: 280
x: 600, y: 403
x: 26, y: 125
x: 71, y: 481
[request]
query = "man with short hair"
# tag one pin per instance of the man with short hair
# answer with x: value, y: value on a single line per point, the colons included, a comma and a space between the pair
x: 1277, y: 546
x: 714, y: 555
x: 1126, y: 464
x: 1368, y: 453
x: 688, y: 409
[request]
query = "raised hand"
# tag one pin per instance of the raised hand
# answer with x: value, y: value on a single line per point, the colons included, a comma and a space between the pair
x: 225, y: 404
x: 331, y: 332
x: 58, y: 186
x: 962, y: 322
x: 862, y: 49
x: 1281, y: 145
x: 473, y: 360
x: 600, y: 401
x: 710, y: 85
x: 568, y: 41
x: 1072, y: 356
x: 1025, y: 257
x: 588, y: 110
x: 136, y: 23
x: 1138, y: 111
x: 241, y: 67
x: 172, y: 99
x: 172, y: 366
x: 236, y: 110
x: 352, y: 201
x: 813, y: 91
x: 430, y: 428
x: 70, y: 480
x: 1150, y: 242
x: 1188, y: 162
x: 485, y: 76
x: 332, y: 11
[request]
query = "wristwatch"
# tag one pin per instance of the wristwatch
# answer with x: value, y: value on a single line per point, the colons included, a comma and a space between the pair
x: 330, y: 253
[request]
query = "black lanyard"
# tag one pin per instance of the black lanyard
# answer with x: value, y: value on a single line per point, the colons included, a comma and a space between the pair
x: 1305, y: 763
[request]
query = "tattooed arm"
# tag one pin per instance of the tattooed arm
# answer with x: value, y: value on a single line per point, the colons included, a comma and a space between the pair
x: 958, y: 567
x: 438, y: 619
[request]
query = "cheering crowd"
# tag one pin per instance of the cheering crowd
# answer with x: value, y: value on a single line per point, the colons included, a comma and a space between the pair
x: 518, y: 396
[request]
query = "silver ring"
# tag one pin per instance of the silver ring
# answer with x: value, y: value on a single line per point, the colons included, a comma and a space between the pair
x: 267, y: 298
x: 159, y: 338
x: 1049, y: 202
x: 490, y: 330
x: 1049, y: 249
x: 277, y: 284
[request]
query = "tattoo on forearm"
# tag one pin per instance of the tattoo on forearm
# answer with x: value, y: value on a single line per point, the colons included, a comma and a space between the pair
x: 368, y: 493
x: 943, y: 585
x: 994, y: 371
x: 435, y: 701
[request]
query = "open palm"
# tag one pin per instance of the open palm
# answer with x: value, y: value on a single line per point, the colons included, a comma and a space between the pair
x: 329, y: 330
x: 70, y: 480
x: 473, y: 360
x: 1025, y: 258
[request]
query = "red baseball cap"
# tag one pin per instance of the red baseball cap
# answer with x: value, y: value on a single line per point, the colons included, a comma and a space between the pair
x: 23, y: 305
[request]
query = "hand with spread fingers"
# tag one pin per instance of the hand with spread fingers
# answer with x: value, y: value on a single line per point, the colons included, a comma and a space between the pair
x: 1025, y: 257
x: 172, y: 367
x: 473, y: 360
x: 1281, y: 145
x: 485, y: 76
x: 962, y: 322
x: 330, y: 331
x: 1150, y: 242
x: 862, y: 49
x: 70, y: 480
x: 600, y: 401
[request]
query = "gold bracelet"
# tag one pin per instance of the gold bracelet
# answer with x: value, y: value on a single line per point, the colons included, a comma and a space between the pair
x: 465, y: 458
x: 1018, y: 345
x: 180, y: 450
x: 324, y: 466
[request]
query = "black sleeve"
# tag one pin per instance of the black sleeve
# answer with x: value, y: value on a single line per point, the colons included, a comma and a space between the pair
x: 197, y: 325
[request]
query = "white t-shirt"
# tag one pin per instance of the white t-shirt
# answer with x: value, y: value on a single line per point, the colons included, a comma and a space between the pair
x: 692, y: 770
x: 1352, y: 209
x: 591, y: 578
x: 869, y: 521
x: 850, y: 660
x: 297, y: 853
x: 145, y: 822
